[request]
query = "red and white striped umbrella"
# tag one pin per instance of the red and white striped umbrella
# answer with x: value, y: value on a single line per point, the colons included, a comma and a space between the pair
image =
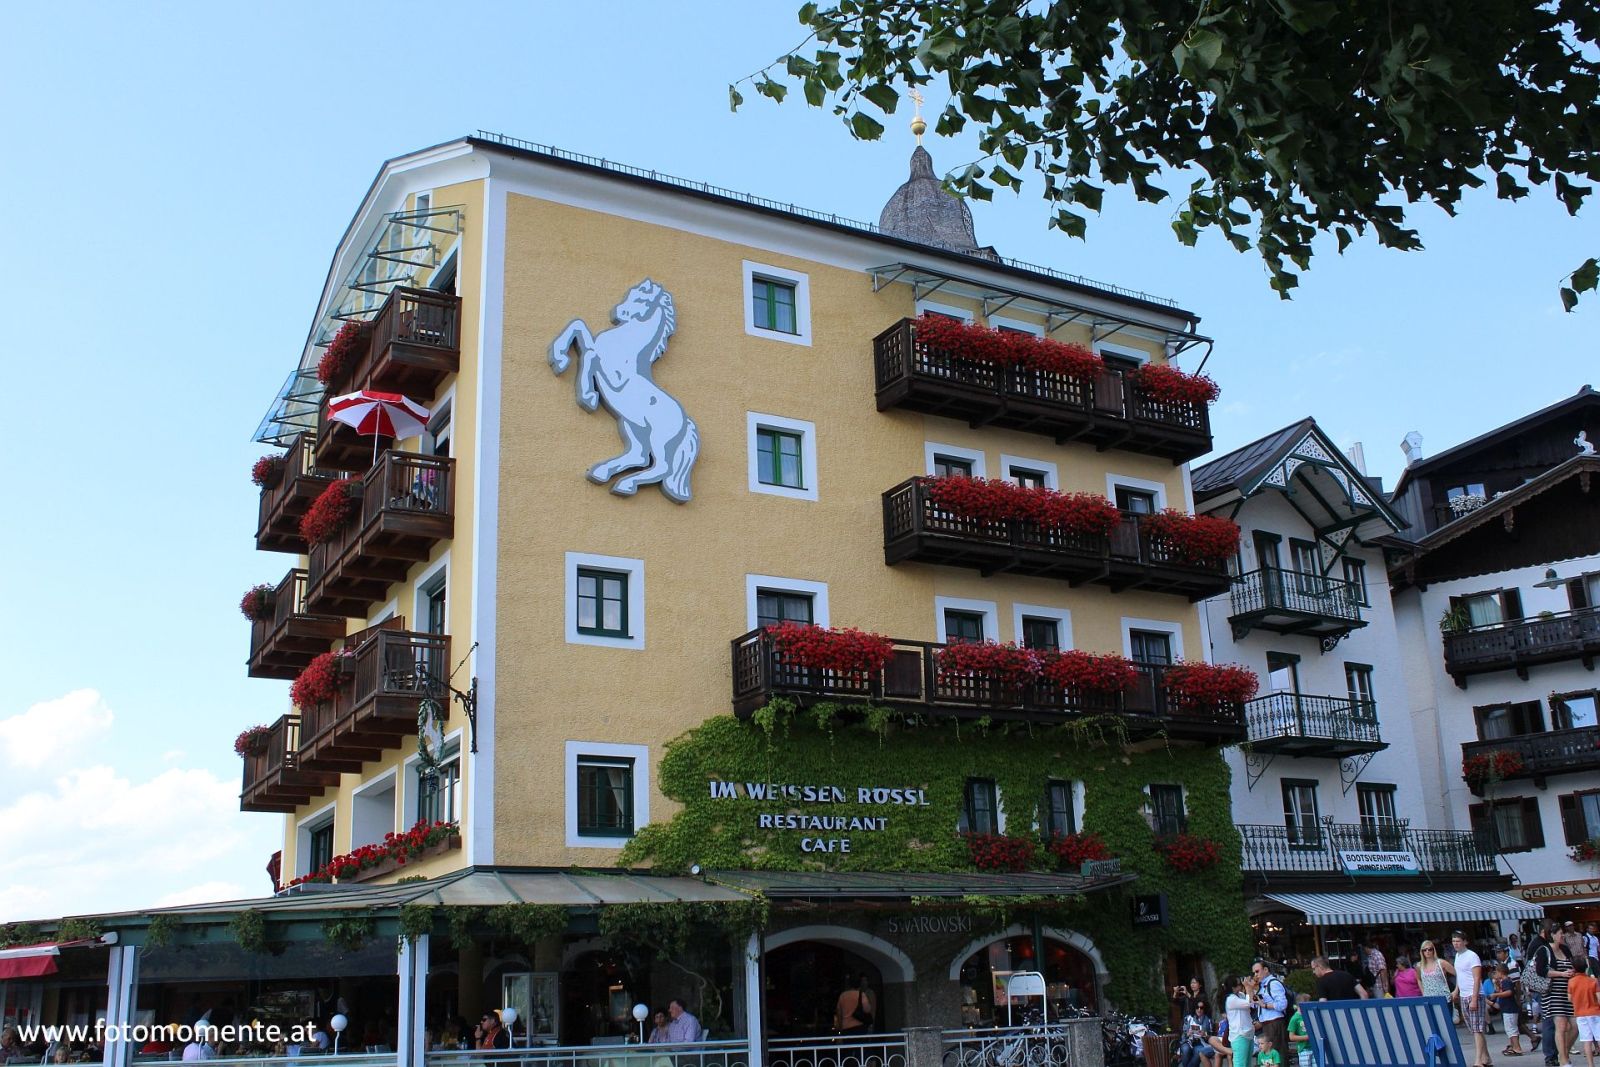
x: 379, y: 415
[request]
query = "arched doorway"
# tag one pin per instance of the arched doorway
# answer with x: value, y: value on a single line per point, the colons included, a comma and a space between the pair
x: 803, y: 983
x: 1070, y: 976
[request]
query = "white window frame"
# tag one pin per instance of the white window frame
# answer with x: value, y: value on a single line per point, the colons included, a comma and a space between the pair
x: 1075, y: 786
x: 387, y: 612
x: 1142, y: 484
x: 1166, y: 626
x: 304, y: 828
x: 1062, y: 616
x: 756, y: 421
x: 411, y: 800
x: 997, y: 321
x: 1104, y: 348
x: 419, y: 598
x: 802, y: 302
x: 817, y: 591
x: 987, y: 608
x: 640, y: 754
x: 999, y: 804
x: 389, y: 778
x: 980, y: 465
x: 447, y: 404
x: 1052, y: 478
x: 964, y: 314
x: 634, y: 569
x: 1149, y: 803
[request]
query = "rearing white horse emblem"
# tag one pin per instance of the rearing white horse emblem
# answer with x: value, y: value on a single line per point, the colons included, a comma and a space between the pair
x: 614, y: 369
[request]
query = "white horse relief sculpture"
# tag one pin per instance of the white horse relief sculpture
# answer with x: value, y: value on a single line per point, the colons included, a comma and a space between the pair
x: 614, y: 369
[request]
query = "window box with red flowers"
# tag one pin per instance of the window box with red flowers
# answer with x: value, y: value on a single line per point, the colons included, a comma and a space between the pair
x: 1587, y: 851
x: 1169, y: 385
x: 252, y: 742
x: 1008, y: 664
x: 267, y: 471
x: 320, y: 681
x: 998, y: 852
x: 391, y: 854
x: 1074, y: 850
x: 995, y: 500
x: 1007, y: 348
x: 339, y: 359
x: 1101, y: 673
x: 336, y: 507
x: 1487, y: 768
x: 844, y: 650
x: 1195, y: 540
x: 257, y: 603
x: 1208, y: 687
x: 1188, y: 854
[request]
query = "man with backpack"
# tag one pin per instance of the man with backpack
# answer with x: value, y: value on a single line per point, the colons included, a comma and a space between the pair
x: 1272, y: 1005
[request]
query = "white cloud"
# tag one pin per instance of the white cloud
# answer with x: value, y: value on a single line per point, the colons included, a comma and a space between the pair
x: 96, y: 838
x: 42, y: 735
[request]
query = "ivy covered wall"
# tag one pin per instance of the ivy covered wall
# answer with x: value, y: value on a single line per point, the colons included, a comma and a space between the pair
x: 1206, y: 909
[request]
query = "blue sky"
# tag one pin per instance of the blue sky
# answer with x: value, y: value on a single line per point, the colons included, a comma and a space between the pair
x: 176, y: 178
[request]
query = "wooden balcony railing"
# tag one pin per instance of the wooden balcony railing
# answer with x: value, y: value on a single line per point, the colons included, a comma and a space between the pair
x: 915, y: 528
x: 1544, y: 754
x: 1295, y: 602
x: 913, y: 682
x: 274, y: 780
x: 1521, y: 643
x: 407, y: 506
x: 414, y: 345
x: 1109, y: 412
x: 1314, y: 847
x: 278, y: 521
x: 1302, y: 725
x: 389, y: 672
x: 280, y: 647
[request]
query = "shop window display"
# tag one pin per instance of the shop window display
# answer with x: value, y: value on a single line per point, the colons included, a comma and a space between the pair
x: 1068, y: 976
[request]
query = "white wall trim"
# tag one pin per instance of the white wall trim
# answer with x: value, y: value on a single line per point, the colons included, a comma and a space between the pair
x: 998, y: 321
x: 1158, y: 488
x: 409, y: 797
x: 1102, y: 348
x: 640, y: 754
x: 980, y: 465
x: 990, y: 612
x: 391, y: 775
x: 893, y: 964
x: 634, y: 569
x: 327, y: 815
x: 389, y: 610
x: 1166, y: 626
x: 757, y: 420
x: 419, y: 598
x: 1070, y: 937
x: 1063, y: 616
x: 964, y: 314
x: 802, y: 302
x: 1052, y: 479
x: 386, y: 781
x: 818, y: 591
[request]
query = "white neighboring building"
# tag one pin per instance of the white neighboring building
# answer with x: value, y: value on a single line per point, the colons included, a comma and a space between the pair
x: 1499, y: 613
x: 1327, y: 793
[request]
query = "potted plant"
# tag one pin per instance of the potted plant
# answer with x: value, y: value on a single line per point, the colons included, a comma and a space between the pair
x: 1008, y: 666
x: 843, y: 650
x: 319, y: 682
x: 1007, y: 348
x: 267, y: 472
x: 1090, y: 672
x: 1487, y: 768
x: 1455, y: 620
x: 257, y: 603
x: 333, y: 509
x: 340, y: 357
x: 1074, y: 850
x: 1166, y: 383
x: 1587, y: 851
x: 252, y: 742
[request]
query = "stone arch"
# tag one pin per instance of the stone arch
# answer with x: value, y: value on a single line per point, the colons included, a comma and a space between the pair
x: 893, y: 964
x: 1067, y: 937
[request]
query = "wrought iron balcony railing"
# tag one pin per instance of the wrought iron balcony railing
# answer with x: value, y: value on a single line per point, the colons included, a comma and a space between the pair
x: 1313, y: 847
x: 1295, y: 602
x: 1302, y: 725
x: 1518, y: 644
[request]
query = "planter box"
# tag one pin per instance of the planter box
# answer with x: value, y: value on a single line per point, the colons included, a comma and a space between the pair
x: 389, y: 866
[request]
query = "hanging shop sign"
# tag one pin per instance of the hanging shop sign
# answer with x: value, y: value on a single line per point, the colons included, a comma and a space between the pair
x: 1101, y: 868
x: 1149, y: 910
x: 1395, y: 862
x: 1557, y: 892
x: 944, y: 923
x: 825, y: 833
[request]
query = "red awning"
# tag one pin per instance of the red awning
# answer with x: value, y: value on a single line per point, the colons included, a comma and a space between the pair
x: 35, y: 961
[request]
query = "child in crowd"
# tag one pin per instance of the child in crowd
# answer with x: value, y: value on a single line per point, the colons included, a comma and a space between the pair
x: 1584, y: 992
x: 1504, y: 997
x: 1299, y: 1043
x: 1266, y: 1055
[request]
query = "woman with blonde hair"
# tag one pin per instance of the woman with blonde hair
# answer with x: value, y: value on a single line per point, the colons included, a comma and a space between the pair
x: 1433, y: 973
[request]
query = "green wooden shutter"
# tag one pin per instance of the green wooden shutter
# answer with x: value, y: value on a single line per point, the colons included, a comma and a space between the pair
x: 1532, y: 830
x: 1571, y: 819
x: 1511, y: 603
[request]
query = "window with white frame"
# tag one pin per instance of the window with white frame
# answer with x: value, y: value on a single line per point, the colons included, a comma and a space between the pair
x: 770, y: 601
x: 1042, y: 626
x: 1140, y: 496
x: 1168, y: 815
x: 777, y: 303
x: 314, y: 841
x: 980, y: 807
x: 949, y: 311
x: 372, y: 810
x: 1029, y: 473
x: 943, y: 461
x: 604, y: 600
x: 781, y: 456
x: 1058, y: 808
x: 438, y: 792
x: 959, y: 619
x: 608, y: 793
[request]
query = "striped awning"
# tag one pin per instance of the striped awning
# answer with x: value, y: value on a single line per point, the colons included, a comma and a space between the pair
x: 1355, y: 909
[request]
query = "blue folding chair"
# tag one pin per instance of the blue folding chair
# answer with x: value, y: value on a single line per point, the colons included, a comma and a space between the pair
x: 1400, y: 1032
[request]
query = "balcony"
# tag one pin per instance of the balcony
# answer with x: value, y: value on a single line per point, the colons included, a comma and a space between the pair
x: 911, y: 683
x: 1544, y: 754
x: 1108, y: 413
x: 414, y: 345
x: 1517, y: 645
x: 390, y: 673
x: 1271, y: 850
x: 280, y: 647
x: 1294, y: 724
x: 278, y: 524
x: 407, y: 507
x: 916, y: 529
x: 1295, y: 602
x: 274, y: 780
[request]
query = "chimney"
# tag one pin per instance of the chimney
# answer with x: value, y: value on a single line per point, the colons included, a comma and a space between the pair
x: 1412, y: 447
x: 1358, y: 458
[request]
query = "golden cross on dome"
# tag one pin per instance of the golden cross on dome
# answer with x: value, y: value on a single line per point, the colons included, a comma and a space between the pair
x: 917, y: 125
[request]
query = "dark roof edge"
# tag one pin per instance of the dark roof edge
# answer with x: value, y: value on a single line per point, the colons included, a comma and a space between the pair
x: 1505, y: 430
x: 1510, y: 499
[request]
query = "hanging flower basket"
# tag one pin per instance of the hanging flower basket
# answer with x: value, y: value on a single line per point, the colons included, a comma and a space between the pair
x: 1200, y: 540
x: 252, y: 742
x: 845, y: 650
x: 1188, y: 854
x: 1006, y: 348
x: 1196, y: 687
x: 331, y: 512
x: 393, y: 852
x: 1587, y: 851
x: 998, y: 852
x: 1094, y: 672
x: 267, y: 472
x: 1487, y: 768
x: 995, y: 500
x: 1168, y: 384
x: 1008, y: 664
x: 319, y: 682
x: 257, y: 603
x: 340, y: 357
x: 1074, y: 850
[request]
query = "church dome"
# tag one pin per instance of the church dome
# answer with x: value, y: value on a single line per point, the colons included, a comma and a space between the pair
x: 922, y: 211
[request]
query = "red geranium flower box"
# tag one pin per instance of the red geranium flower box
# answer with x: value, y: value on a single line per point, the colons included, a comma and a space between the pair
x: 845, y: 650
x: 998, y: 852
x: 1202, y: 540
x: 267, y: 471
x: 339, y: 358
x: 1074, y: 850
x: 1188, y: 854
x: 1164, y: 382
x: 252, y: 742
x: 995, y: 500
x: 1008, y: 664
x: 1097, y: 672
x: 320, y: 681
x: 1208, y: 686
x: 1488, y: 767
x: 256, y: 604
x: 1006, y: 348
x: 394, y: 851
x: 333, y: 509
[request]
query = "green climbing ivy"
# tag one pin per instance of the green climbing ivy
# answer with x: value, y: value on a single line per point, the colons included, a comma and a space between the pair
x: 161, y: 931
x: 1205, y: 909
x: 348, y: 932
x: 79, y: 930
x: 527, y: 923
x: 416, y: 920
x: 249, y: 929
x: 20, y: 934
x: 668, y: 928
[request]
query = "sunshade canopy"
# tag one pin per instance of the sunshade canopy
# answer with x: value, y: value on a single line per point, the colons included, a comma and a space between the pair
x: 1355, y: 909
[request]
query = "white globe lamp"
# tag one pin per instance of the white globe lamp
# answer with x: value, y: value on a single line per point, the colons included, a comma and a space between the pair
x: 641, y: 1012
x: 338, y: 1022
